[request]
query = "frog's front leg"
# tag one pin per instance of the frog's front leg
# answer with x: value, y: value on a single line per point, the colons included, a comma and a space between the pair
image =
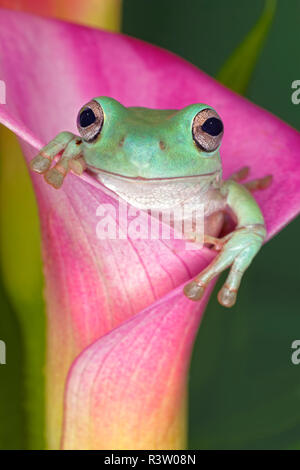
x: 238, y: 247
x: 71, y: 147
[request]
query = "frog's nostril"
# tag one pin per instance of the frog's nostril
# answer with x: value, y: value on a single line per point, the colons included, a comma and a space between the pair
x: 121, y: 142
x: 162, y: 145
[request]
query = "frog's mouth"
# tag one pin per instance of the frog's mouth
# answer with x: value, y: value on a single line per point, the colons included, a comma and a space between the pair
x: 217, y: 174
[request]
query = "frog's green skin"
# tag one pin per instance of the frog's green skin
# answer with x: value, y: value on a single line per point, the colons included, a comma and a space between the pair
x: 150, y: 158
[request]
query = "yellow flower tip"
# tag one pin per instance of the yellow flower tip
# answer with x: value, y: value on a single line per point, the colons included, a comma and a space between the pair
x: 105, y: 14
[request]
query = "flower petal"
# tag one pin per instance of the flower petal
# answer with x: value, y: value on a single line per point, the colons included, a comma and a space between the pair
x: 128, y: 389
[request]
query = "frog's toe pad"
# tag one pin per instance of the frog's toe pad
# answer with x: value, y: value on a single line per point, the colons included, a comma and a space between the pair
x: 54, y: 177
x: 77, y: 166
x: 40, y: 164
x: 193, y: 291
x: 266, y: 182
x: 227, y: 296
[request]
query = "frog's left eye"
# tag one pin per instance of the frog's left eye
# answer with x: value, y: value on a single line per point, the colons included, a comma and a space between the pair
x: 90, y: 121
x: 207, y: 130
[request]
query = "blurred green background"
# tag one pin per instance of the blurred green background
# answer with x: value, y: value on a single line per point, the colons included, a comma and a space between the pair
x: 244, y: 389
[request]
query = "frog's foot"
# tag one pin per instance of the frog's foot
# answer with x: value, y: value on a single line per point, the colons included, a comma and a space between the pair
x: 70, y: 147
x: 239, y: 248
x: 259, y: 183
x: 252, y: 185
x: 70, y: 160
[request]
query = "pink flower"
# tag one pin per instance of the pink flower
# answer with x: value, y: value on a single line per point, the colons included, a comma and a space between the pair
x: 120, y: 331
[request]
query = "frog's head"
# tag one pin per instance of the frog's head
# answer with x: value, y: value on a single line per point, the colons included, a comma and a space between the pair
x: 150, y: 143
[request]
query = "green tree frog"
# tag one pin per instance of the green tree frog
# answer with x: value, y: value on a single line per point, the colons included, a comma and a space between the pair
x: 161, y: 158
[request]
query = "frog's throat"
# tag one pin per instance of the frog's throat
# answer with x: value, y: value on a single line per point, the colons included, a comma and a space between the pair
x: 159, y: 193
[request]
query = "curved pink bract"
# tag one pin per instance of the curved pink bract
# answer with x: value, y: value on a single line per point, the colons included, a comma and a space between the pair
x: 117, y: 304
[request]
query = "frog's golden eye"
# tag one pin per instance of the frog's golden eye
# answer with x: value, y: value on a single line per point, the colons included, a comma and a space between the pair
x: 207, y: 130
x: 90, y: 121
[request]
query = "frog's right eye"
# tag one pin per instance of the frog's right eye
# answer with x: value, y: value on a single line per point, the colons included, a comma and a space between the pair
x: 90, y: 121
x: 207, y: 130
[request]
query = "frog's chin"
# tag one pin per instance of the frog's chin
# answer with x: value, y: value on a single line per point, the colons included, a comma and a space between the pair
x: 159, y: 193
